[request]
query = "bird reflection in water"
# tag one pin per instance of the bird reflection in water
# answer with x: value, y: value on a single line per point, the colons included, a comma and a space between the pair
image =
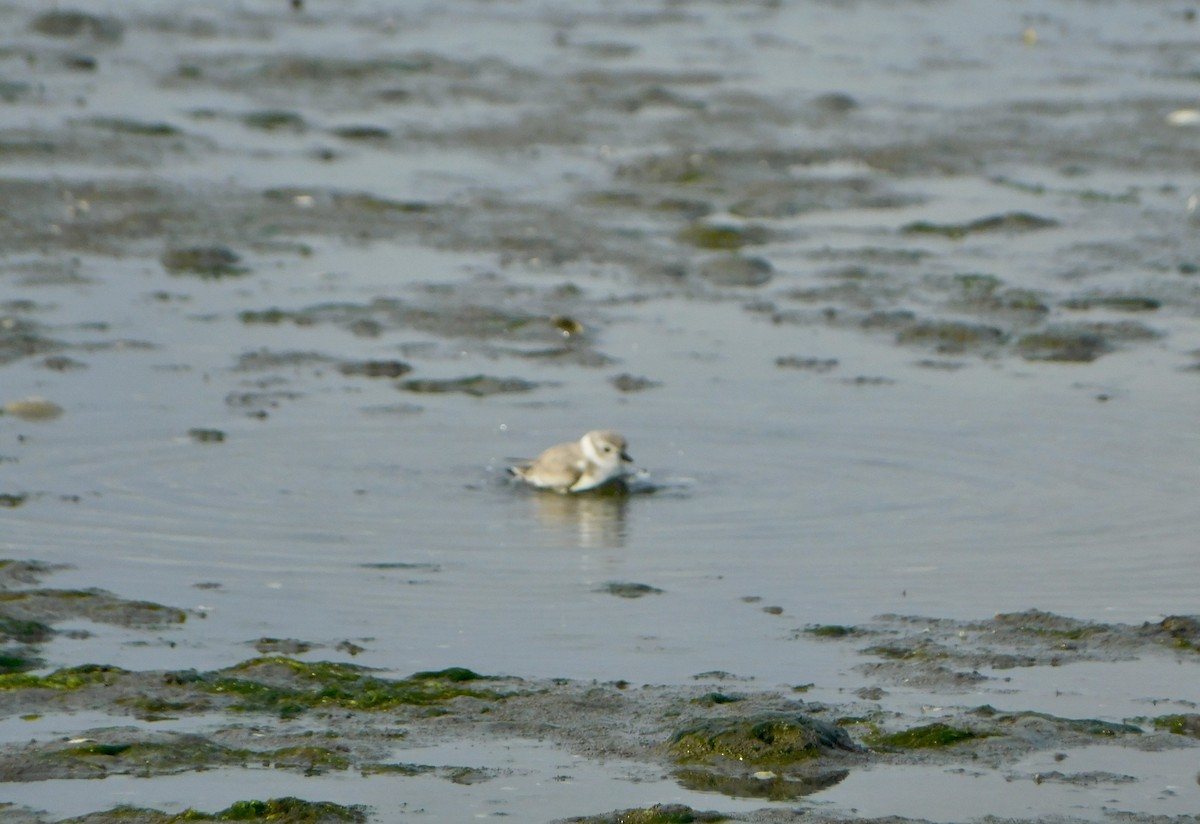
x: 590, y: 519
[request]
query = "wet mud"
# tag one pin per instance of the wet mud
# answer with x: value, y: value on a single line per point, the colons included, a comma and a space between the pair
x: 727, y: 737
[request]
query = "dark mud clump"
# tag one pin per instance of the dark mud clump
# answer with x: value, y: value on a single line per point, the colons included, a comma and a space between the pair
x: 376, y: 368
x: 626, y: 382
x: 205, y: 261
x: 71, y: 24
x: 1010, y: 222
x: 933, y: 650
x: 477, y: 386
x: 626, y: 589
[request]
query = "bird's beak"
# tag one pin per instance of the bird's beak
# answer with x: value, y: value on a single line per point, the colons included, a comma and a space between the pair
x: 625, y: 457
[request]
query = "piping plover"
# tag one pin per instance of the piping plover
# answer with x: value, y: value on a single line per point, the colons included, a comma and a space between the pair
x: 594, y: 460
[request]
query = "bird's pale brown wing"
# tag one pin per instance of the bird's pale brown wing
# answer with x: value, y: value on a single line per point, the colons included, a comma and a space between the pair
x: 559, y: 466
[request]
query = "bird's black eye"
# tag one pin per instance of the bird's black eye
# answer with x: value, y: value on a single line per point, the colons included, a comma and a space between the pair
x: 608, y: 449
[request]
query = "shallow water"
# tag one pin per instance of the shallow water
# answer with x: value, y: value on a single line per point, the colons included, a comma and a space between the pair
x: 557, y: 158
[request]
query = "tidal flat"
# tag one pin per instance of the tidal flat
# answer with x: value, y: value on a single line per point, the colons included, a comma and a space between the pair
x: 898, y: 304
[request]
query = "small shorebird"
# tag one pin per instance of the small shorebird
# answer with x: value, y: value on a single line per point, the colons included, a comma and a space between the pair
x: 577, y: 467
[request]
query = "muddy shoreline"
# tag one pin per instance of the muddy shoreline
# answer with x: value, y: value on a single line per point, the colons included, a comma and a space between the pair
x: 723, y: 735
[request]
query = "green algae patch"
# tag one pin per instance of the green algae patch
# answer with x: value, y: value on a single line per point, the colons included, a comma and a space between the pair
x: 17, y: 661
x: 1010, y: 222
x: 272, y: 120
x: 925, y: 737
x: 1063, y: 344
x: 950, y: 336
x: 289, y: 687
x: 658, y: 814
x: 23, y: 631
x: 774, y: 740
x: 1186, y: 724
x: 830, y: 631
x: 70, y: 678
x: 728, y: 238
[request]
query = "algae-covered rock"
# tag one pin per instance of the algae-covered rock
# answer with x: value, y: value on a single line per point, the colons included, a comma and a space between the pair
x: 772, y: 740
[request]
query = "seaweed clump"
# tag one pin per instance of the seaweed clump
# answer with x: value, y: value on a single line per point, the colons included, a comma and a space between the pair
x: 925, y: 737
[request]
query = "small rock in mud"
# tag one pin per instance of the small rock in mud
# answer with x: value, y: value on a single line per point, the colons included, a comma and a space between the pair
x: 376, y: 368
